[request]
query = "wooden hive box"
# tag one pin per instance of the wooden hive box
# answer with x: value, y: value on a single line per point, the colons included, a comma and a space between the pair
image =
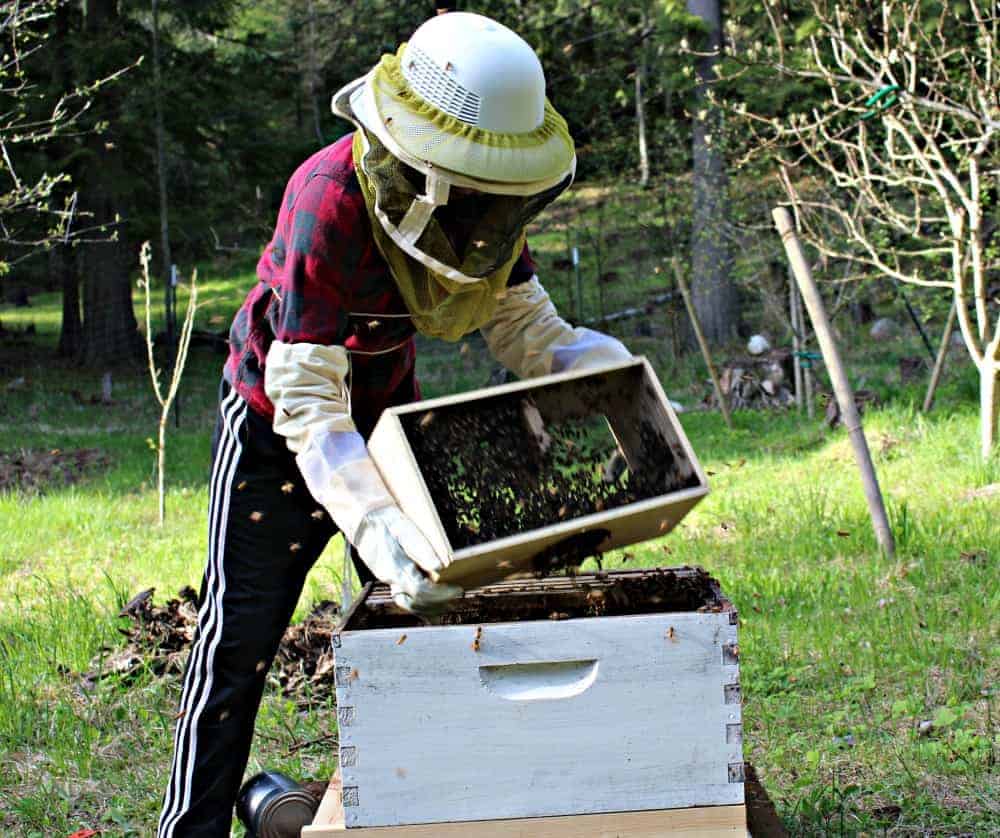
x: 430, y: 455
x: 603, y: 693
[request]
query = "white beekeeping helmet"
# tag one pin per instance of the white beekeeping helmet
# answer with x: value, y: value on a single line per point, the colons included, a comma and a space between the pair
x: 478, y: 71
x: 466, y: 95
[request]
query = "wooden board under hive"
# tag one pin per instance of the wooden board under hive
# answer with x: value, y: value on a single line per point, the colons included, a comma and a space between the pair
x: 608, y: 692
x: 525, y: 477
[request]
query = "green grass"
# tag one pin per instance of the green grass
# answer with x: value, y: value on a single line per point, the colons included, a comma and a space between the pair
x: 844, y: 653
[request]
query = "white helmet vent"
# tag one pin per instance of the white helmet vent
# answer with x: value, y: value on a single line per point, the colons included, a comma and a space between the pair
x: 439, y: 88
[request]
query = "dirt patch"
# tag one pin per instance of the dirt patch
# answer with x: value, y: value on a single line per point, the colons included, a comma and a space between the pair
x: 500, y: 466
x: 33, y: 470
x: 603, y: 594
x: 158, y: 638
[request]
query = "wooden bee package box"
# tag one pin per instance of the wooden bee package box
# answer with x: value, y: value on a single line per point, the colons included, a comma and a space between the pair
x: 599, y: 693
x: 527, y: 477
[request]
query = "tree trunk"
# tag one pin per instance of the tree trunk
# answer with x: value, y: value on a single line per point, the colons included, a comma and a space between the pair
x: 64, y: 264
x: 312, y: 69
x: 714, y: 293
x: 110, y: 331
x: 640, y: 121
x: 989, y: 404
x: 166, y: 259
x: 64, y: 260
x: 640, y: 106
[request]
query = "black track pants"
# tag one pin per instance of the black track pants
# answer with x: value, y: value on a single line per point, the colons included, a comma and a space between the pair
x: 265, y: 531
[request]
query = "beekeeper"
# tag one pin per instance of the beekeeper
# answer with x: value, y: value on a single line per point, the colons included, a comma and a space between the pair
x: 413, y: 223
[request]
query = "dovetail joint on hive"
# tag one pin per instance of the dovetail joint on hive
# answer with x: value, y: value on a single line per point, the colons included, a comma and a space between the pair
x: 734, y: 734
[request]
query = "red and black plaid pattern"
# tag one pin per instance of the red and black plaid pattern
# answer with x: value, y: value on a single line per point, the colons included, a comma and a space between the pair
x: 323, y: 281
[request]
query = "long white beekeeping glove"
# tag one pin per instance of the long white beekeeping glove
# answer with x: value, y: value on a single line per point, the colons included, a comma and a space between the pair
x: 307, y: 383
x: 527, y: 336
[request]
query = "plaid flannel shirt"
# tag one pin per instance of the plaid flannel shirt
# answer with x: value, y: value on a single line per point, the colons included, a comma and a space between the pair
x: 323, y: 281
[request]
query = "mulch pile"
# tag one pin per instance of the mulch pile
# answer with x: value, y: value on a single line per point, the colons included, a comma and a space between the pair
x: 158, y: 638
x: 32, y: 470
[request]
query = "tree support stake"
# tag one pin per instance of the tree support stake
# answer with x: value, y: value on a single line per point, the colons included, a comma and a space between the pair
x: 838, y: 377
x: 706, y: 354
x: 942, y: 353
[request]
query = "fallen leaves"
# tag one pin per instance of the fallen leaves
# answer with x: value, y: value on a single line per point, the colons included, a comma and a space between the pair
x: 33, y: 470
x: 159, y: 637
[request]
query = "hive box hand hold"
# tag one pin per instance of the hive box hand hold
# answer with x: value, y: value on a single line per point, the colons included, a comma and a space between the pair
x: 527, y: 477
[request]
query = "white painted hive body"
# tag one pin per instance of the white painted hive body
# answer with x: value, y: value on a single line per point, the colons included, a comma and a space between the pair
x: 628, y: 396
x: 541, y: 717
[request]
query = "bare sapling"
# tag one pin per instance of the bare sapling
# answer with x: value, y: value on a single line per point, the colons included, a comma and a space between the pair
x: 166, y: 401
x: 897, y: 168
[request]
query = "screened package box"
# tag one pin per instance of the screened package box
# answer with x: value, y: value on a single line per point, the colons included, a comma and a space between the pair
x: 517, y: 478
x: 600, y: 693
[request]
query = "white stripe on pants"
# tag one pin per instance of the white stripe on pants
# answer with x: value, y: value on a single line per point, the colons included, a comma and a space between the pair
x: 198, y: 679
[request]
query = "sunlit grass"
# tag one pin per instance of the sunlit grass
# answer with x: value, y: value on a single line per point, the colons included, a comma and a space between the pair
x: 844, y: 653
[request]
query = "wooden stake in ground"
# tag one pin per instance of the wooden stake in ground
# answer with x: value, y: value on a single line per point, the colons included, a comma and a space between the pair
x: 696, y: 325
x: 841, y: 386
x: 793, y: 315
x: 175, y: 378
x: 942, y: 353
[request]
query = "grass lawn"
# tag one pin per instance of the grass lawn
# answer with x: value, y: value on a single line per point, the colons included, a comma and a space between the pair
x: 869, y: 684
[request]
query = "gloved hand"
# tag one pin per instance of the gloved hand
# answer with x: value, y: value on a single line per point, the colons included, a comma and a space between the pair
x: 399, y: 555
x: 529, y: 338
x: 589, y: 350
x: 342, y: 476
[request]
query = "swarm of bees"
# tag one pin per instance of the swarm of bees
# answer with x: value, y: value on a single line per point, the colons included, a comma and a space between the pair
x: 505, y: 465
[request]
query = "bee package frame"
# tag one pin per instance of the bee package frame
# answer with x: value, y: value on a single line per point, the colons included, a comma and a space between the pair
x: 641, y: 421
